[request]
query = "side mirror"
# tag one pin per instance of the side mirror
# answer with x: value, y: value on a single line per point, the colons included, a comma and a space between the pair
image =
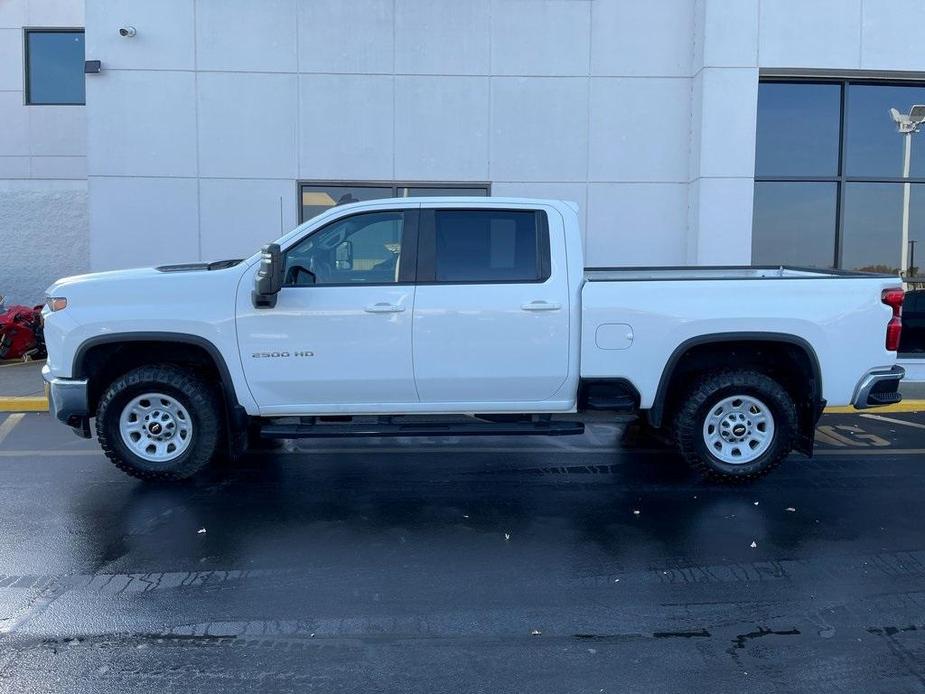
x: 269, y: 278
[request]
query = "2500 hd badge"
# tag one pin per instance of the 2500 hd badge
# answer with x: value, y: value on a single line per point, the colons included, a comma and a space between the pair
x: 272, y: 355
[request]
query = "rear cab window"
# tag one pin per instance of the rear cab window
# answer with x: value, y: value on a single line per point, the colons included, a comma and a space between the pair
x: 484, y: 246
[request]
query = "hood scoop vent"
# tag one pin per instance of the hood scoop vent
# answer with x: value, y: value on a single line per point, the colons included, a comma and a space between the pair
x: 192, y: 267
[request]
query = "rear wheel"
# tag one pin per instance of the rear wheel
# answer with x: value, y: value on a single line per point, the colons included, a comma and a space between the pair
x: 159, y: 423
x: 736, y: 425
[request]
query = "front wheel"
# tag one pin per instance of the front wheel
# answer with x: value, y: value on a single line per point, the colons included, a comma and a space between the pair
x: 159, y: 423
x: 736, y: 425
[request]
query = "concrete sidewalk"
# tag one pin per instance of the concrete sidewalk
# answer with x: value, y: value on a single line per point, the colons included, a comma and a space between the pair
x: 21, y: 386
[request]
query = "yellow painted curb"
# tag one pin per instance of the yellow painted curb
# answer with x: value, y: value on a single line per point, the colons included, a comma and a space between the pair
x: 904, y: 406
x: 24, y: 404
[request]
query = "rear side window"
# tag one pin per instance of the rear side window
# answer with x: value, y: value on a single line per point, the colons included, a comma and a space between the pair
x: 490, y: 246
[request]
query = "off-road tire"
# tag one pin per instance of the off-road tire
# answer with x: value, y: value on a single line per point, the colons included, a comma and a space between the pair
x: 197, y: 396
x: 710, y: 389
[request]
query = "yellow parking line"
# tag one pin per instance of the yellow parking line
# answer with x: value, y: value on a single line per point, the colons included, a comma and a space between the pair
x: 9, y: 423
x: 36, y: 403
x: 904, y: 406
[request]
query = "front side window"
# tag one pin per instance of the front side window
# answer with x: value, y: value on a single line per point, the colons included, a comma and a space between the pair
x: 360, y: 249
x: 54, y: 67
x: 489, y: 246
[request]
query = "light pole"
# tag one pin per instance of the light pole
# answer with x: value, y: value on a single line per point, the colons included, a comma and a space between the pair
x: 907, y: 124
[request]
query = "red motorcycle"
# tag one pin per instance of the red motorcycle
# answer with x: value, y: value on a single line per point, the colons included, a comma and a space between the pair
x: 21, y: 332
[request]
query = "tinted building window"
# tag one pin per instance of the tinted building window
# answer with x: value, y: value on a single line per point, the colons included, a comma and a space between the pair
x: 829, y: 177
x: 799, y: 127
x: 872, y: 227
x: 487, y: 246
x: 55, y: 67
x: 873, y: 148
x: 872, y: 237
x: 794, y: 223
x: 318, y: 197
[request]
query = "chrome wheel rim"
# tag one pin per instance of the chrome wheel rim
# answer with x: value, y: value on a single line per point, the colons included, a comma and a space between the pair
x: 738, y: 429
x: 156, y: 427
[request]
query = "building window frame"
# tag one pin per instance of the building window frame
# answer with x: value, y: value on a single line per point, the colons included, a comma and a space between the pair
x: 27, y: 83
x: 840, y: 179
x: 394, y: 185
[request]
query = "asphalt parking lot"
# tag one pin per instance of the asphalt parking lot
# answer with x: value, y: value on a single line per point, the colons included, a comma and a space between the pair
x: 490, y: 565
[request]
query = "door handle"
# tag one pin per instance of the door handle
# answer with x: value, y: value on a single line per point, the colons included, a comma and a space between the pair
x: 383, y: 307
x: 541, y: 306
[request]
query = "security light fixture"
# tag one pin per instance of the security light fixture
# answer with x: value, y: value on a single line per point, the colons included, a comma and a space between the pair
x: 909, y: 122
x: 127, y: 32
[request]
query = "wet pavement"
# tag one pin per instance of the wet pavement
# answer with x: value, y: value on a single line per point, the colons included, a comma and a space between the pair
x: 21, y: 379
x: 473, y: 565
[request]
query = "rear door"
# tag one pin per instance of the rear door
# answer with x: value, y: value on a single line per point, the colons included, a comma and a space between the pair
x: 491, y: 312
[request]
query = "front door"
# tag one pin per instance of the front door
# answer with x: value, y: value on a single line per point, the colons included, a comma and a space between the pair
x: 339, y: 337
x: 491, y: 313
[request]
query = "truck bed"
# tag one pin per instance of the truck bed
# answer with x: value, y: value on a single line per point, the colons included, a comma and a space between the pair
x: 634, y: 319
x: 732, y: 272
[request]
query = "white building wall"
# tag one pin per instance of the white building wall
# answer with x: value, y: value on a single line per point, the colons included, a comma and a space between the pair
x: 585, y: 100
x: 44, y: 227
x: 643, y: 112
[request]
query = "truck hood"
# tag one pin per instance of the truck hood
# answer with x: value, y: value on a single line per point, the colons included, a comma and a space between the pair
x: 147, y: 274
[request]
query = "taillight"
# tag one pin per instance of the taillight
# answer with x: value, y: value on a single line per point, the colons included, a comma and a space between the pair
x: 894, y: 299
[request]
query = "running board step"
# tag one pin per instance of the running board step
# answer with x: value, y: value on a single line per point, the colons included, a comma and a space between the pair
x: 350, y: 430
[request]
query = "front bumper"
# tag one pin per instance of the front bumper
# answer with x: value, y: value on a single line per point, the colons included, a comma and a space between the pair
x: 68, y: 401
x: 879, y: 387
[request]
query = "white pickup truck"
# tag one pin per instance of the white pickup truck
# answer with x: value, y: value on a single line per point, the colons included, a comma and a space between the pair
x: 457, y: 316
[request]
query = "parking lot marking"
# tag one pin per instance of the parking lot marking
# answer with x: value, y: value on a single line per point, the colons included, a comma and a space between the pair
x: 831, y: 436
x: 875, y: 452
x: 47, y: 454
x: 908, y: 405
x: 891, y: 420
x: 9, y: 423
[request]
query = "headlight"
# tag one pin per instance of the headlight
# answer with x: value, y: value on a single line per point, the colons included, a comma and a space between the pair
x: 55, y: 303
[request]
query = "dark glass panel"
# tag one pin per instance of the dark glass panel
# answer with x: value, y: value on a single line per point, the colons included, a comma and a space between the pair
x: 318, y: 198
x: 485, y: 245
x: 871, y: 239
x: 798, y: 129
x: 916, y: 257
x: 56, y: 67
x: 434, y: 191
x: 794, y: 224
x: 873, y: 146
x: 361, y: 249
